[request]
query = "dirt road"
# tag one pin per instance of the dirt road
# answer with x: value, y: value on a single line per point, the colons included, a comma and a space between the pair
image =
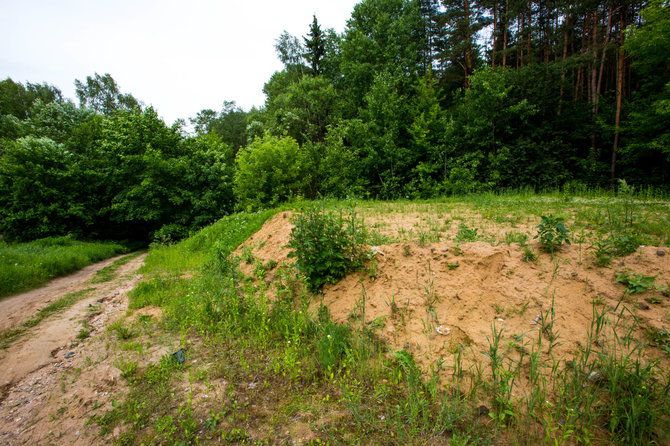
x: 34, y: 364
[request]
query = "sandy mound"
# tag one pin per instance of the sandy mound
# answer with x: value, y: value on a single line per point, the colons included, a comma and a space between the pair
x: 430, y: 299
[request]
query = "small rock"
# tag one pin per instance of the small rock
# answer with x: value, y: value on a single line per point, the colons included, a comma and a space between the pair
x: 445, y: 249
x: 642, y: 306
x: 660, y: 253
x: 483, y: 410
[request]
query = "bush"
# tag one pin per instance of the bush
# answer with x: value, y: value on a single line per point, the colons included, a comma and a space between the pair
x: 326, y: 245
x: 270, y: 171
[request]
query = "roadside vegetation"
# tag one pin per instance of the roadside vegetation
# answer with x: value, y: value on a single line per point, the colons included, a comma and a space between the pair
x: 28, y: 265
x: 264, y: 362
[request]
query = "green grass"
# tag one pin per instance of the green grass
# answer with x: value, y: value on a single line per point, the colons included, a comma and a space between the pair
x: 108, y: 272
x: 65, y: 302
x: 24, y: 266
x: 344, y: 382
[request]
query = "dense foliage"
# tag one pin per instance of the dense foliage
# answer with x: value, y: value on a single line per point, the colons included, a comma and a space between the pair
x: 417, y: 98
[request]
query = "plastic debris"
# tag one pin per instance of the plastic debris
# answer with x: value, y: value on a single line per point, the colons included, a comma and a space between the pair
x: 537, y: 319
x: 444, y: 331
x: 376, y: 250
x: 179, y: 355
x: 68, y: 355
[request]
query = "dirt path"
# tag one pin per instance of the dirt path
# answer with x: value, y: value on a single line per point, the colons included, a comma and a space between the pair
x: 18, y: 308
x: 35, y: 364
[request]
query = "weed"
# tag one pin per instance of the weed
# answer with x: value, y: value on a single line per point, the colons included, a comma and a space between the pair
x: 528, y: 254
x: 248, y: 254
x: 466, y: 234
x: 121, y: 332
x: 552, y: 233
x: 660, y: 338
x: 332, y: 345
x: 635, y: 284
x: 515, y: 237
x: 603, y: 252
x: 85, y: 331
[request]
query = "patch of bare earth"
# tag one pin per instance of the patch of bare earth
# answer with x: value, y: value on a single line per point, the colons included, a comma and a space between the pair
x: 430, y: 299
x: 53, y: 382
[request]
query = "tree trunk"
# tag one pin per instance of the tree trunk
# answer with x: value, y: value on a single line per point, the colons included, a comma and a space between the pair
x: 602, y: 58
x: 530, y: 24
x: 621, y: 68
x: 565, y: 56
x: 504, y: 55
x: 593, y: 86
x: 495, y: 30
x: 468, y: 46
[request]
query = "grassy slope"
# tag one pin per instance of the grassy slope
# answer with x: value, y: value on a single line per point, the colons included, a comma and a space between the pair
x: 303, y: 370
x: 28, y: 265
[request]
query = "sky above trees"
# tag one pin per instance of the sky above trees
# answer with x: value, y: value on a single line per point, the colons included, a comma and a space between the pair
x: 180, y: 57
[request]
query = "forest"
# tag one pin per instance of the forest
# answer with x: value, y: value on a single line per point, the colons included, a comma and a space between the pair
x: 415, y: 99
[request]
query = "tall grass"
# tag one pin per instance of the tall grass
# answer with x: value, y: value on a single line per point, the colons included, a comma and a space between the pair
x: 28, y: 265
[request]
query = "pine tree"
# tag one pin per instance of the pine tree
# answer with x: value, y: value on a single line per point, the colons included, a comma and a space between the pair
x: 316, y: 48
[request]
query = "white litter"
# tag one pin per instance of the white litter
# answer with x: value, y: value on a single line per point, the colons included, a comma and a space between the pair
x: 444, y: 331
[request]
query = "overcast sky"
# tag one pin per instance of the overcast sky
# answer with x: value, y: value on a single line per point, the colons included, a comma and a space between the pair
x: 180, y: 57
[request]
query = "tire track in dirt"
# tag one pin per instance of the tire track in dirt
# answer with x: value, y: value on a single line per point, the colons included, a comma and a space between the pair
x: 34, y: 364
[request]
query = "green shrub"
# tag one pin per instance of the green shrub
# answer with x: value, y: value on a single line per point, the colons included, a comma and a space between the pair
x: 552, y: 233
x: 326, y: 245
x: 270, y: 171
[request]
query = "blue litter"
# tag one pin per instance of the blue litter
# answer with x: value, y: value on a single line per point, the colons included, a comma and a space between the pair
x: 69, y: 355
x: 179, y: 356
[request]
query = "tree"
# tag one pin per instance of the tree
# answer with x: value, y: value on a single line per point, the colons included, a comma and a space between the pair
x: 315, y: 46
x: 291, y: 53
x: 646, y: 133
x: 231, y: 125
x: 40, y: 191
x: 203, y: 121
x: 459, y: 52
x: 102, y: 95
